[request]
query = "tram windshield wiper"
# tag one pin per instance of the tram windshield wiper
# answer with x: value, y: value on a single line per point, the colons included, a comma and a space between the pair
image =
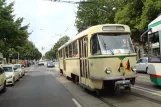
x: 107, y: 48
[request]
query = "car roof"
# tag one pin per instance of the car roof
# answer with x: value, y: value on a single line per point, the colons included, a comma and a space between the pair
x: 17, y: 64
x: 8, y: 65
x: 144, y: 57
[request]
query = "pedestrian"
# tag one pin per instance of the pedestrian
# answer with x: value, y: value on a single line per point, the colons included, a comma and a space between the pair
x: 23, y: 63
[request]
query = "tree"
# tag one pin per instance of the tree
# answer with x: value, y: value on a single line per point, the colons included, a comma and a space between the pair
x: 135, y: 13
x: 14, y: 35
x: 28, y: 51
x: 98, y: 12
x: 150, y: 11
x: 53, y: 52
x: 129, y: 13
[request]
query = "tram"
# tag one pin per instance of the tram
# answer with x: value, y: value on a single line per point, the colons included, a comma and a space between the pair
x: 101, y: 57
x: 154, y: 50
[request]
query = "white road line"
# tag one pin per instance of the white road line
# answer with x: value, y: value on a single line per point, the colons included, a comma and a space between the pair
x: 76, y: 102
x: 146, y: 91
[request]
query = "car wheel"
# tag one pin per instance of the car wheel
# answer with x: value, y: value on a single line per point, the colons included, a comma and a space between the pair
x: 4, y: 87
x: 18, y: 78
x: 13, y: 82
x: 146, y: 70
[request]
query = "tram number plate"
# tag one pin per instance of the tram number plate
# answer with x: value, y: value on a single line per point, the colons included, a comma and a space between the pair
x: 122, y: 82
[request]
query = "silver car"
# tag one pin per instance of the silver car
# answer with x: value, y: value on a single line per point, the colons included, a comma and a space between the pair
x: 142, y: 64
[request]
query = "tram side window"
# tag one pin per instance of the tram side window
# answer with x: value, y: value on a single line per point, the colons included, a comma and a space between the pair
x: 75, y: 49
x: 66, y: 51
x: 60, y: 54
x: 70, y: 50
x: 95, y: 48
x: 154, y: 51
x: 63, y: 53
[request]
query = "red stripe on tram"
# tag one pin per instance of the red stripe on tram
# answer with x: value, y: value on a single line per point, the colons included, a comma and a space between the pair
x: 157, y: 76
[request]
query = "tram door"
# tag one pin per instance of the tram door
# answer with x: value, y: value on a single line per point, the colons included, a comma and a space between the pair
x: 64, y: 61
x: 83, y: 50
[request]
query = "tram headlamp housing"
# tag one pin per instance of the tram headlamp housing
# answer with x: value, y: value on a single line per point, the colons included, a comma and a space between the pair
x: 133, y: 68
x: 108, y: 70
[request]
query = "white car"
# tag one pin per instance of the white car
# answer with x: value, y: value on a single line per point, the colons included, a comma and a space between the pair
x: 20, y: 69
x: 142, y: 64
x: 2, y: 80
x: 11, y: 73
x: 41, y: 63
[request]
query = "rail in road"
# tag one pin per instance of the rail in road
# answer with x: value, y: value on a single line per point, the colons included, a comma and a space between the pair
x: 137, y: 97
x: 140, y: 96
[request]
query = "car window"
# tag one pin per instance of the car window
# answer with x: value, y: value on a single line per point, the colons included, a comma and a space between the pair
x: 7, y: 69
x: 139, y: 61
x: 145, y: 60
x: 1, y: 71
x: 17, y: 66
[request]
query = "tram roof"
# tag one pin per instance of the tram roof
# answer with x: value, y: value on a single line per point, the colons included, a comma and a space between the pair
x: 155, y: 22
x: 155, y: 25
x: 94, y: 29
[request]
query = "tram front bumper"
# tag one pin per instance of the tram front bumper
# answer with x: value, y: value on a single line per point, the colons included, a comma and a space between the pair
x: 122, y: 85
x: 123, y: 82
x: 113, y: 77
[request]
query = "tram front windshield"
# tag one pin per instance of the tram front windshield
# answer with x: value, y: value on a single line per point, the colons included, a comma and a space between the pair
x: 154, y: 48
x: 113, y: 44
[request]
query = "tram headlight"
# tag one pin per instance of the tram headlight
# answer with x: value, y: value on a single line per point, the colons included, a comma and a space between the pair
x: 108, y: 70
x: 133, y: 68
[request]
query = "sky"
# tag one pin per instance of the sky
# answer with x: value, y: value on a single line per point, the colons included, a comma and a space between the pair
x: 48, y: 20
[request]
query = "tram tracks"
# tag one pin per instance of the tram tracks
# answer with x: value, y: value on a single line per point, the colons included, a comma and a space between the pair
x: 106, y: 102
x: 109, y: 103
x: 146, y: 98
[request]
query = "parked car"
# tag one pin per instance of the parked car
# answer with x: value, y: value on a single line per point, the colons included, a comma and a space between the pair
x: 20, y: 69
x: 12, y: 74
x: 142, y: 64
x: 2, y: 80
x: 41, y: 63
x: 50, y: 64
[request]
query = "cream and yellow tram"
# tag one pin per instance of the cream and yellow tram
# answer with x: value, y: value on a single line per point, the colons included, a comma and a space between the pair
x: 101, y: 57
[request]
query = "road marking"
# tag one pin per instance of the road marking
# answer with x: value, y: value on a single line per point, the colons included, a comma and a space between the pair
x: 76, y: 102
x: 146, y: 91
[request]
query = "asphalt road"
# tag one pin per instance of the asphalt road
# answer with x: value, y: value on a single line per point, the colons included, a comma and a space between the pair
x: 38, y: 88
x: 144, y: 81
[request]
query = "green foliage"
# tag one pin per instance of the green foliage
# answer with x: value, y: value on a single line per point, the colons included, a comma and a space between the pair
x: 52, y: 54
x: 94, y: 14
x: 135, y: 13
x: 14, y: 35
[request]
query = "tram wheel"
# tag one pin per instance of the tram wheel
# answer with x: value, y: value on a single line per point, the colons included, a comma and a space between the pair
x: 76, y: 80
x: 117, y: 90
x: 146, y: 70
x: 98, y: 92
x: 128, y: 89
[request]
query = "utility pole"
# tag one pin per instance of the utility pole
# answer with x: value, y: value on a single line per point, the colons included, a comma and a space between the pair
x: 18, y: 57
